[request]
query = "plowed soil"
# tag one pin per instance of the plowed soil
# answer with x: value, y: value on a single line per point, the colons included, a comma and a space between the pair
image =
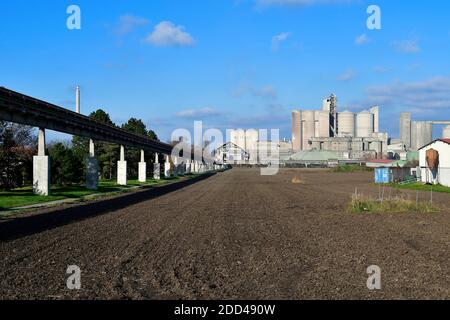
x: 235, y: 235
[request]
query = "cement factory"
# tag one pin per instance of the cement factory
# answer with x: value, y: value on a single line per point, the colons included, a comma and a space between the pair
x: 327, y: 137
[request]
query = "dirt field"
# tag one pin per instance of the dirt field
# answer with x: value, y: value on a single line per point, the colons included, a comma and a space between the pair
x: 236, y: 235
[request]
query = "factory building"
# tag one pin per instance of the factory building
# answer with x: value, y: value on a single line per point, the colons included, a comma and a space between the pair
x: 351, y: 135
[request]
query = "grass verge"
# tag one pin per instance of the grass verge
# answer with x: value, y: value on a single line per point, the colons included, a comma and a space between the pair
x: 421, y: 187
x: 359, y: 204
x: 24, y: 196
x: 350, y: 168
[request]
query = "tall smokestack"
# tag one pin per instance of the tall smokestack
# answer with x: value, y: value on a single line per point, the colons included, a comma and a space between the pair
x: 78, y: 97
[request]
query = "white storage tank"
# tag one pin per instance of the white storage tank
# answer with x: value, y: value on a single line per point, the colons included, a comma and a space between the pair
x: 346, y: 124
x: 446, y: 132
x: 364, y: 124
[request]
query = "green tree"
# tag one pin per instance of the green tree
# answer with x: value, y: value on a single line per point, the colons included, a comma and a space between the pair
x: 106, y: 153
x: 66, y: 167
x: 17, y: 146
x: 133, y: 155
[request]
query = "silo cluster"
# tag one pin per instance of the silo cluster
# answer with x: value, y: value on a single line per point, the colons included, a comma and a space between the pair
x: 308, y: 124
x: 245, y: 139
x: 361, y: 125
x: 421, y: 134
x: 415, y: 134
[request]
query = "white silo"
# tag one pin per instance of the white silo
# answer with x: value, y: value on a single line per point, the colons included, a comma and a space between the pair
x: 233, y: 136
x: 446, y: 132
x: 240, y: 138
x: 346, y: 124
x: 251, y: 144
x: 297, y: 130
x: 421, y: 134
x: 364, y: 124
x: 376, y: 118
x: 308, y: 128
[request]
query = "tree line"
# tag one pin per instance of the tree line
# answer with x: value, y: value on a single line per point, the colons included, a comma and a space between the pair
x: 18, y: 145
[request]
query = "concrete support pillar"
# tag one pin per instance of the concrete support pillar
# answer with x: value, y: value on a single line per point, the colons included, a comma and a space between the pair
x: 92, y: 168
x: 122, y: 168
x: 142, y: 168
x: 197, y: 167
x: 175, y: 166
x: 182, y: 168
x: 41, y: 168
x: 167, y: 167
x: 188, y: 166
x: 157, y: 168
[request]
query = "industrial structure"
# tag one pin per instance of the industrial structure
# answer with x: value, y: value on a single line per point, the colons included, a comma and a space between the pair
x: 349, y: 135
x: 416, y: 134
x: 248, y: 147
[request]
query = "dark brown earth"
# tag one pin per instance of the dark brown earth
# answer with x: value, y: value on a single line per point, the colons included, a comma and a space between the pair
x: 236, y: 235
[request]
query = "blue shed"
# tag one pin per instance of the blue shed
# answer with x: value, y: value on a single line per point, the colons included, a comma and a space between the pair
x: 383, y: 175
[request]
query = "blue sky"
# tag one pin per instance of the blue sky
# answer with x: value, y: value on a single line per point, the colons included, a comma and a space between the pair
x: 230, y: 63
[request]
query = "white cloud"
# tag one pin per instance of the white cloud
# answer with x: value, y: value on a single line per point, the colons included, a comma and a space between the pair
x: 362, y: 39
x: 128, y: 23
x: 168, y: 34
x: 380, y: 69
x: 421, y: 96
x: 198, y: 113
x: 267, y: 3
x: 276, y: 40
x: 347, y: 75
x: 407, y: 46
x: 266, y: 92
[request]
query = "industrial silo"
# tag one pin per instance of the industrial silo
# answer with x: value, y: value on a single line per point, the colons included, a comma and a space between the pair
x: 321, y: 124
x: 240, y: 138
x: 346, y: 124
x: 446, y: 132
x: 251, y: 144
x: 421, y: 134
x: 308, y: 128
x: 297, y: 130
x: 364, y: 124
x: 233, y: 136
x: 376, y: 118
x: 405, y: 129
